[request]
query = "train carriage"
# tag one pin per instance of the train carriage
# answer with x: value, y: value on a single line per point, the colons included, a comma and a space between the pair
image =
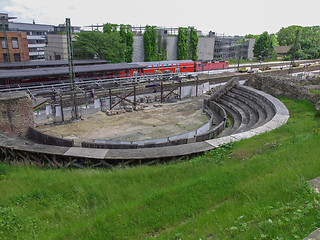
x: 176, y: 66
x: 54, y: 72
x: 205, y: 66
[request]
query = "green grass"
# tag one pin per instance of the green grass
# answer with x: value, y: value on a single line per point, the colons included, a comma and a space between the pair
x: 253, y: 189
x: 315, y: 91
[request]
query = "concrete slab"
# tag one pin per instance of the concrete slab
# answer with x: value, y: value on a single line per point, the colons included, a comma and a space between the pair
x: 261, y: 129
x: 46, y: 149
x: 314, y: 236
x: 280, y: 118
x: 243, y: 135
x: 87, y: 152
x: 273, y: 124
x: 219, y: 141
x: 125, y: 154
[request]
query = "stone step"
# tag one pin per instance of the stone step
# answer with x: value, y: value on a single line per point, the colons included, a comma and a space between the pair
x: 253, y: 115
x: 232, y: 113
x: 259, y: 111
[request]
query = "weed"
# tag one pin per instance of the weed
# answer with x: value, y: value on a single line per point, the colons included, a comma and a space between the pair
x: 219, y: 155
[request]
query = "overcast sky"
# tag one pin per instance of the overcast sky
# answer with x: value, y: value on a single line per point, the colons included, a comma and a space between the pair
x: 229, y: 17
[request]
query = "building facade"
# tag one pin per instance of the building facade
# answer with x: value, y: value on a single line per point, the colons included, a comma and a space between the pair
x: 36, y: 35
x: 170, y: 36
x: 56, y: 47
x: 233, y: 47
x: 14, y: 47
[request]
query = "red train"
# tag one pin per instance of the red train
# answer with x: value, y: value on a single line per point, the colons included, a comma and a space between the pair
x: 180, y: 66
x: 32, y: 75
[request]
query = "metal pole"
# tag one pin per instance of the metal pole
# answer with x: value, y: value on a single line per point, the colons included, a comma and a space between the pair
x: 74, y: 111
x: 188, y: 42
x: 134, y: 96
x: 239, y: 47
x: 161, y: 96
x: 110, y: 99
x: 269, y: 48
x: 180, y: 92
x: 62, y: 115
x: 294, y: 52
x: 197, y: 83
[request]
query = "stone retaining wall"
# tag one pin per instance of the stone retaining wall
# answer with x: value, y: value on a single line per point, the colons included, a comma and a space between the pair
x: 283, y: 86
x: 40, y: 137
x: 16, y: 114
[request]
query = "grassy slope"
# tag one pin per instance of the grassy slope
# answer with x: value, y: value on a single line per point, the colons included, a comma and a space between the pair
x: 256, y: 188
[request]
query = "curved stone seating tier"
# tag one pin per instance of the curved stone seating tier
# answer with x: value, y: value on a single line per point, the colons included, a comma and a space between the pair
x: 260, y: 111
x: 258, y: 99
x: 253, y: 112
x: 254, y: 109
x: 234, y: 114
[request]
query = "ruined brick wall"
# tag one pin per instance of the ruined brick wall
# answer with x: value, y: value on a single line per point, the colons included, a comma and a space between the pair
x: 283, y: 86
x: 16, y: 114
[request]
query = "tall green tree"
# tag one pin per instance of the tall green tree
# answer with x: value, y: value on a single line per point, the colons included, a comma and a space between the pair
x: 126, y: 36
x: 183, y: 38
x: 95, y: 44
x: 264, y: 47
x: 194, y: 39
x: 109, y: 28
x: 112, y: 44
x: 308, y: 42
x: 150, y: 44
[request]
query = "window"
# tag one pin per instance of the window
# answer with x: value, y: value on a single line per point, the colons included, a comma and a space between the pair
x: 5, y: 57
x: 17, y: 57
x: 15, y: 43
x: 3, y: 43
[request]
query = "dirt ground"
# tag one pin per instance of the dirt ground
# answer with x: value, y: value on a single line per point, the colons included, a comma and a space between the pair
x: 168, y: 120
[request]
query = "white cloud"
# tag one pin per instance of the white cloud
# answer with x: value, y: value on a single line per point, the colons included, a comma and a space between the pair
x: 229, y: 17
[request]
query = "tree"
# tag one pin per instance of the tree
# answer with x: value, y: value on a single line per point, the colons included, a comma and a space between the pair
x: 263, y: 47
x: 309, y: 40
x: 251, y: 36
x: 126, y: 36
x: 88, y: 45
x: 109, y: 28
x: 194, y: 39
x: 111, y: 45
x: 150, y: 44
x: 183, y: 38
x: 95, y: 44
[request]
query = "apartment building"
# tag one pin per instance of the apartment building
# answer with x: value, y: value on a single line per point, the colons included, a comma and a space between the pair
x: 36, y: 35
x: 14, y: 45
